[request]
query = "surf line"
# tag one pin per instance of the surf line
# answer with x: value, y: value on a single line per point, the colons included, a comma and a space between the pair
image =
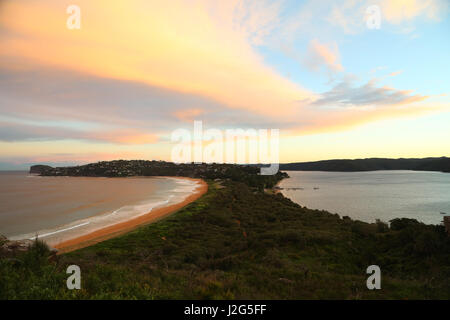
x: 62, y: 230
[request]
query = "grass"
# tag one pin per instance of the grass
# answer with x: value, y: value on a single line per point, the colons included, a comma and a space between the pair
x: 240, y: 243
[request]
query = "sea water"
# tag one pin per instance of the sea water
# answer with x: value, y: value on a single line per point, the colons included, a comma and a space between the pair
x: 60, y: 208
x: 368, y: 196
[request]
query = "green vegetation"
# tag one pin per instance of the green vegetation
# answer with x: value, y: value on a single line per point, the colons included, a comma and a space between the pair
x: 38, y: 169
x: 426, y: 164
x: 237, y: 242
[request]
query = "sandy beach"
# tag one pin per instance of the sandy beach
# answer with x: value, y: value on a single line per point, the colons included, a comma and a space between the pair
x: 123, y: 227
x: 275, y: 188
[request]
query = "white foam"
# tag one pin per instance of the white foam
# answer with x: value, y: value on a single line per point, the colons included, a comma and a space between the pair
x: 62, y: 230
x: 85, y: 226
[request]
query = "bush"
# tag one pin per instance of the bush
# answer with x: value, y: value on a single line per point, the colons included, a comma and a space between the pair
x: 382, y: 227
x: 402, y: 223
x: 37, y: 255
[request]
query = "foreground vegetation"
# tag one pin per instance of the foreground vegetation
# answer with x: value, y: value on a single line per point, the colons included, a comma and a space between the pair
x: 238, y: 242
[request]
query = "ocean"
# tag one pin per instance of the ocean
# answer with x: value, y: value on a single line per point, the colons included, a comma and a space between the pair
x: 368, y: 196
x: 60, y: 208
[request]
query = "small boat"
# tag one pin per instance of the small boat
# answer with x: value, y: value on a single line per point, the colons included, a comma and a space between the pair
x: 315, y: 188
x: 443, y: 213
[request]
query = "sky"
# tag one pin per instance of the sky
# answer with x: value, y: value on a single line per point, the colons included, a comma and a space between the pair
x: 339, y: 79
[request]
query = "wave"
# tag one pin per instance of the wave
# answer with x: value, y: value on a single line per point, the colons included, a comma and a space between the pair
x: 91, y: 224
x: 58, y: 231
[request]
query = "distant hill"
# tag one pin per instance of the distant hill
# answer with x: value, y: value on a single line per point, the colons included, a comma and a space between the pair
x: 372, y: 164
x: 40, y: 168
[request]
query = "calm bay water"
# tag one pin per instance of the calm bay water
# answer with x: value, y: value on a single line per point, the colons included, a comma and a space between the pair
x: 367, y: 196
x: 58, y: 208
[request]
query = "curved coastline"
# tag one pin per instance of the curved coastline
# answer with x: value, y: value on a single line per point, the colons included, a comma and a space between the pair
x: 129, y: 225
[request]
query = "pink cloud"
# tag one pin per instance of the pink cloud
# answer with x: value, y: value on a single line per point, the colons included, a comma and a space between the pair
x: 320, y: 55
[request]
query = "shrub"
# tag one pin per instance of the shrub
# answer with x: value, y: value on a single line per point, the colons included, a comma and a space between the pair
x: 382, y: 227
x: 402, y: 223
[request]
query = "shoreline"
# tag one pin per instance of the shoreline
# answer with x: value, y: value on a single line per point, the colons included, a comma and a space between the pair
x: 129, y: 225
x: 275, y: 189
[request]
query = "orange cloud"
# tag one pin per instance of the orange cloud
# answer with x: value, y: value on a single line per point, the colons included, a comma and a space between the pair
x: 188, y: 115
x: 181, y: 46
x: 338, y: 120
x: 124, y: 136
x: 396, y: 73
x: 82, y: 157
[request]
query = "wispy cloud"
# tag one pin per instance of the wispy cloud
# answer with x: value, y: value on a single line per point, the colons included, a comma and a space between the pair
x: 15, y: 132
x: 321, y: 55
x: 344, y: 94
x: 257, y: 19
x: 395, y: 73
x: 398, y: 11
x: 188, y: 115
x: 64, y: 159
x: 350, y: 15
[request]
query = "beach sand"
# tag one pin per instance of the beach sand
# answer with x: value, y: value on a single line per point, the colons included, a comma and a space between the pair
x: 124, y: 227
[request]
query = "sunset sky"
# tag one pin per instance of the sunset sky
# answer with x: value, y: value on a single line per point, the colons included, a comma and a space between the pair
x: 137, y: 70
